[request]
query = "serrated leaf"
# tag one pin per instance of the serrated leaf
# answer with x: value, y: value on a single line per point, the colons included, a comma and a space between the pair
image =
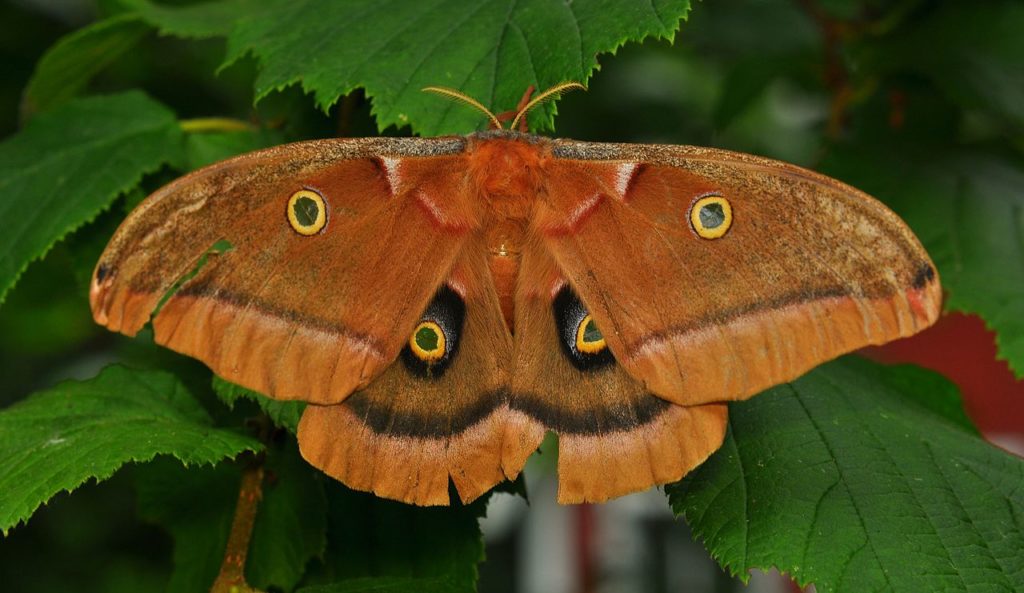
x: 291, y: 524
x: 492, y: 50
x: 67, y: 67
x: 198, y: 21
x: 843, y: 481
x: 968, y: 210
x: 285, y: 414
x: 69, y: 164
x: 57, y: 439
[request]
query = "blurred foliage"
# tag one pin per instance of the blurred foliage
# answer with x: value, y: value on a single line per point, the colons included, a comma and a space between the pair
x: 919, y: 102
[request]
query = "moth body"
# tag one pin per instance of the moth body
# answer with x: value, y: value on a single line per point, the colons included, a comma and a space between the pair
x: 508, y: 177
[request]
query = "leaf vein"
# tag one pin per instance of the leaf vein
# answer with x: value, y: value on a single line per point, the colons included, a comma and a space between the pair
x: 853, y: 500
x: 967, y: 514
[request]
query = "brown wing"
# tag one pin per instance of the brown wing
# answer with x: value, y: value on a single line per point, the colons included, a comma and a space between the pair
x: 417, y: 426
x: 293, y: 316
x: 809, y: 269
x: 615, y: 437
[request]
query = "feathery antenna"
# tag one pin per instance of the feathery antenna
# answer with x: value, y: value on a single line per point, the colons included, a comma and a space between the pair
x: 454, y: 94
x: 554, y: 91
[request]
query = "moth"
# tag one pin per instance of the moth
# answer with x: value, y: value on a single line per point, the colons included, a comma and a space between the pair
x: 442, y: 303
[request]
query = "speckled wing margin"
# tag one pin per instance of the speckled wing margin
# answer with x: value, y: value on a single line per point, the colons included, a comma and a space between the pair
x: 810, y: 269
x: 278, y: 307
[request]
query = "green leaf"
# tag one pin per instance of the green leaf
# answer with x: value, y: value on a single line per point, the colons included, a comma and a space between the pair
x: 968, y: 210
x: 206, y: 148
x: 841, y: 480
x: 196, y: 506
x: 202, y: 20
x: 67, y: 67
x: 285, y: 414
x: 69, y: 164
x: 369, y: 538
x: 491, y: 50
x: 57, y: 439
x: 929, y: 390
x: 389, y: 585
x: 291, y: 524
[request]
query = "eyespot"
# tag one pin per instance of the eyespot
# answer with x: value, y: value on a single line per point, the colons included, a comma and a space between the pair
x: 307, y: 212
x: 711, y: 216
x: 589, y: 339
x: 427, y: 342
x: 434, y: 342
x: 582, y: 341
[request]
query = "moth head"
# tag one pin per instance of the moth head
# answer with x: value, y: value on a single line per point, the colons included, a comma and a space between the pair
x: 711, y: 216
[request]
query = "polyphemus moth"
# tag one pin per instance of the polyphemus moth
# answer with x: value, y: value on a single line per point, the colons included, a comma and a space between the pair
x: 441, y: 303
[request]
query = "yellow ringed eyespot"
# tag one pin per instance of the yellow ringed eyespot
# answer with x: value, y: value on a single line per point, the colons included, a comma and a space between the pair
x: 711, y: 216
x: 428, y: 342
x: 307, y: 212
x: 582, y: 342
x: 589, y: 339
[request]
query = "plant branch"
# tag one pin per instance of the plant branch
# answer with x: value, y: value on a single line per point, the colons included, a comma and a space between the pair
x: 232, y: 571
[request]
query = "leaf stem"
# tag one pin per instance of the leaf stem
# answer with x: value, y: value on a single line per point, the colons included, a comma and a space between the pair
x: 214, y: 124
x: 232, y: 571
